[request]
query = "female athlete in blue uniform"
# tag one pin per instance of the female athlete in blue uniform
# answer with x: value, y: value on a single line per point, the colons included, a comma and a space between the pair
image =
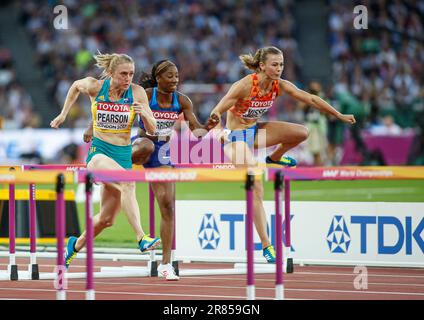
x: 151, y: 149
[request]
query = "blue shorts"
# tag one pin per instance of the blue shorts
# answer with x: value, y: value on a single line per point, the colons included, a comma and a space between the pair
x: 247, y: 135
x: 161, y: 156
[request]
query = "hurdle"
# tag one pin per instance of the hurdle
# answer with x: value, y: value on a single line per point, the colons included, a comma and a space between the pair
x: 288, y: 262
x: 38, y: 177
x: 239, y: 268
x: 336, y: 173
x: 152, y: 263
x: 12, y: 267
x: 170, y: 175
x: 33, y: 268
x: 149, y: 175
x: 288, y: 266
x: 188, y: 175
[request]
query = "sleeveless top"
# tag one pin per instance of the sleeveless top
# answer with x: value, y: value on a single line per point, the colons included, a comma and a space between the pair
x: 256, y: 105
x: 165, y: 117
x: 113, y: 116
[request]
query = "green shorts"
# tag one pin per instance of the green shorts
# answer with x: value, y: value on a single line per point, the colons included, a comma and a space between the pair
x: 121, y: 154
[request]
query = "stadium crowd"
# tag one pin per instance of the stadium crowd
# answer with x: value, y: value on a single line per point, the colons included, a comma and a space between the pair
x: 377, y: 73
x: 16, y: 105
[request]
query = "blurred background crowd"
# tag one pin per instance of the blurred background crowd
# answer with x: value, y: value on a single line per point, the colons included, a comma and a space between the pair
x: 377, y: 73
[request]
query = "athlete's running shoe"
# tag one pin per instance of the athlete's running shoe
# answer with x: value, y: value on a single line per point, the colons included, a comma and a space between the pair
x: 70, y: 251
x: 269, y: 254
x: 146, y: 243
x: 284, y: 161
x: 167, y: 271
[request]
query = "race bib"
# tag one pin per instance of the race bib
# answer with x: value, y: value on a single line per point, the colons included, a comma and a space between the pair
x: 165, y: 121
x: 113, y: 116
x: 257, y: 109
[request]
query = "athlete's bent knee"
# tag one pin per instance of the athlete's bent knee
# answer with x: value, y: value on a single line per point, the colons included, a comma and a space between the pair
x: 141, y: 150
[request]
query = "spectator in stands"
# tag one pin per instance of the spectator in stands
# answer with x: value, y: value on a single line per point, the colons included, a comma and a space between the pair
x: 386, y: 127
x: 316, y: 123
x: 204, y: 33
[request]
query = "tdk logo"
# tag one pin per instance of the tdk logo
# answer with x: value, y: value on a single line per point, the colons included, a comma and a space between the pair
x: 208, y: 233
x: 405, y: 234
x: 231, y: 222
x: 338, y: 237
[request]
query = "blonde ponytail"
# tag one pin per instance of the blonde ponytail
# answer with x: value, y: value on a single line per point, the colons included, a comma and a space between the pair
x: 252, y: 62
x: 108, y: 62
x: 249, y: 61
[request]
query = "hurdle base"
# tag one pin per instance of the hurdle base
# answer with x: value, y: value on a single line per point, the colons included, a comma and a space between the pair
x: 176, y: 267
x: 260, y: 267
x: 61, y: 295
x: 90, y: 295
x: 279, y: 292
x: 34, y: 271
x: 153, y: 267
x: 250, y: 292
x: 289, y: 266
x: 12, y: 269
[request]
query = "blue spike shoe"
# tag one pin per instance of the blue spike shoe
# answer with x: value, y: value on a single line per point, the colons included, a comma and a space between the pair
x: 146, y: 243
x: 285, y: 161
x: 269, y: 254
x: 70, y: 251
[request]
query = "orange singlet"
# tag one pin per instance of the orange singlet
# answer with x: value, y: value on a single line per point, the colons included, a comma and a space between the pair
x: 256, y: 105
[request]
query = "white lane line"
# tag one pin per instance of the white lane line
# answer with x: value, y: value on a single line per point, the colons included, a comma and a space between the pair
x: 222, y: 296
x: 360, y: 292
x: 370, y: 274
x: 173, y: 284
x: 141, y: 293
x: 16, y: 299
x: 242, y: 287
x: 243, y: 277
x: 370, y: 269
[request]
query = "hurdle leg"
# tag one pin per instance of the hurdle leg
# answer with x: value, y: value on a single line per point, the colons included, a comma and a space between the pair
x: 174, y: 237
x: 287, y: 249
x: 12, y: 267
x: 249, y: 236
x: 90, y: 293
x: 279, y: 281
x: 152, y: 264
x: 33, y: 266
x: 60, y: 283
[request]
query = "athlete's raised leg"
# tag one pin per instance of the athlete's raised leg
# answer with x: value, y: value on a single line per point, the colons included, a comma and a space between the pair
x: 142, y: 148
x: 285, y: 135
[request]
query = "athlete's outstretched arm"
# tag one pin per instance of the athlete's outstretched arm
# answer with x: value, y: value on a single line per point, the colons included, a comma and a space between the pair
x: 314, y: 100
x: 141, y: 107
x: 237, y: 91
x: 86, y: 86
x: 198, y: 129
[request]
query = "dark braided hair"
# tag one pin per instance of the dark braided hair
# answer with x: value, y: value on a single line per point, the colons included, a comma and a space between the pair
x: 149, y: 80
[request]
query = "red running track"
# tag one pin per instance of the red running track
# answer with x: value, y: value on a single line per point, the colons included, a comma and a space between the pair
x: 307, y: 282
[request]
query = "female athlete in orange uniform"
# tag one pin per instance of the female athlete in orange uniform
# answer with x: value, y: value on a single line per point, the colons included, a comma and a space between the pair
x: 247, y: 100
